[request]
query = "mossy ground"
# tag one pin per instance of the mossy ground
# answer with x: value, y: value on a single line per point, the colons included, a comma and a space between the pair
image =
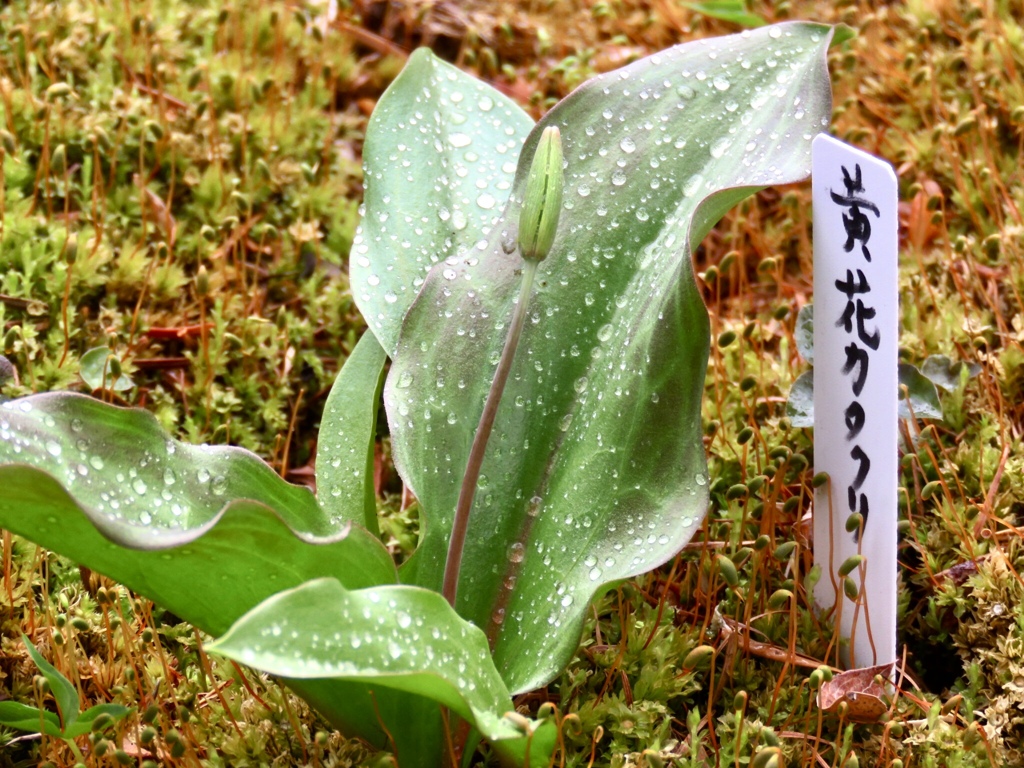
x: 206, y: 158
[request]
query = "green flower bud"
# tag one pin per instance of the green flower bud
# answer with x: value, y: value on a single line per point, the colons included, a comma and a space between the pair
x: 152, y: 129
x: 542, y: 204
x: 102, y: 139
x: 202, y: 281
x: 769, y: 757
x: 59, y: 160
x: 70, y: 250
x: 698, y: 657
x: 57, y: 90
x: 850, y: 565
x: 727, y: 570
x: 785, y: 550
x: 850, y: 588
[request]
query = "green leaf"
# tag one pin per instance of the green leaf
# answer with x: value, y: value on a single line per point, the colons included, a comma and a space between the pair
x: 208, y: 532
x: 734, y: 11
x: 64, y: 693
x: 94, y: 367
x: 800, y: 403
x: 945, y: 373
x: 404, y: 638
x: 595, y: 470
x: 83, y: 725
x: 921, y: 395
x: 441, y: 151
x: 14, y: 714
x: 348, y: 430
x: 803, y: 333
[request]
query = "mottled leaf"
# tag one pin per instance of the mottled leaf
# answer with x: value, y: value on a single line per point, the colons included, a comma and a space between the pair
x: 945, y: 373
x: 208, y: 532
x: 595, y: 470
x: 800, y: 403
x: 917, y: 394
x: 914, y: 387
x: 803, y: 333
x: 440, y: 153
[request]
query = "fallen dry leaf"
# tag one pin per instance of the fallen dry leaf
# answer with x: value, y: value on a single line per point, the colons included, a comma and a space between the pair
x: 861, y: 692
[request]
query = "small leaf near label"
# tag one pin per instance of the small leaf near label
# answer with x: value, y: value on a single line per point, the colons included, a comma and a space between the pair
x: 946, y: 373
x: 803, y: 333
x: 920, y: 396
x: 94, y: 368
x: 917, y: 394
x: 800, y: 404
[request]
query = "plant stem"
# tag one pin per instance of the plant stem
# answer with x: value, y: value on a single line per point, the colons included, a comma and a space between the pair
x: 460, y: 524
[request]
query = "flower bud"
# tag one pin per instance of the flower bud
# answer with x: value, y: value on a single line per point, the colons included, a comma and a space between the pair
x: 850, y: 565
x: 59, y: 160
x: 70, y: 250
x: 698, y: 657
x: 542, y: 205
x: 7, y: 142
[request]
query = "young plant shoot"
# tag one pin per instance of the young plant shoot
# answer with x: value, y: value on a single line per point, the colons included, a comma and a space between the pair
x: 537, y: 225
x: 533, y: 288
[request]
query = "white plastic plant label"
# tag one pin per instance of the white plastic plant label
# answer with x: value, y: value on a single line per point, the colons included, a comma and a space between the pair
x: 856, y: 328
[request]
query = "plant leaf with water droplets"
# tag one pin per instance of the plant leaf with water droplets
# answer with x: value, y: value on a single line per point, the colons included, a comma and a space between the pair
x: 945, y: 373
x: 348, y: 432
x: 803, y: 333
x: 800, y: 403
x: 601, y: 416
x: 207, y: 532
x: 440, y: 154
x: 233, y: 542
x: 921, y: 395
x: 398, y: 637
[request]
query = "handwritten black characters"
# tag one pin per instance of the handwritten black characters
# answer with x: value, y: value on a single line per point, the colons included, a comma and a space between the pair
x: 856, y: 315
x: 855, y: 221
